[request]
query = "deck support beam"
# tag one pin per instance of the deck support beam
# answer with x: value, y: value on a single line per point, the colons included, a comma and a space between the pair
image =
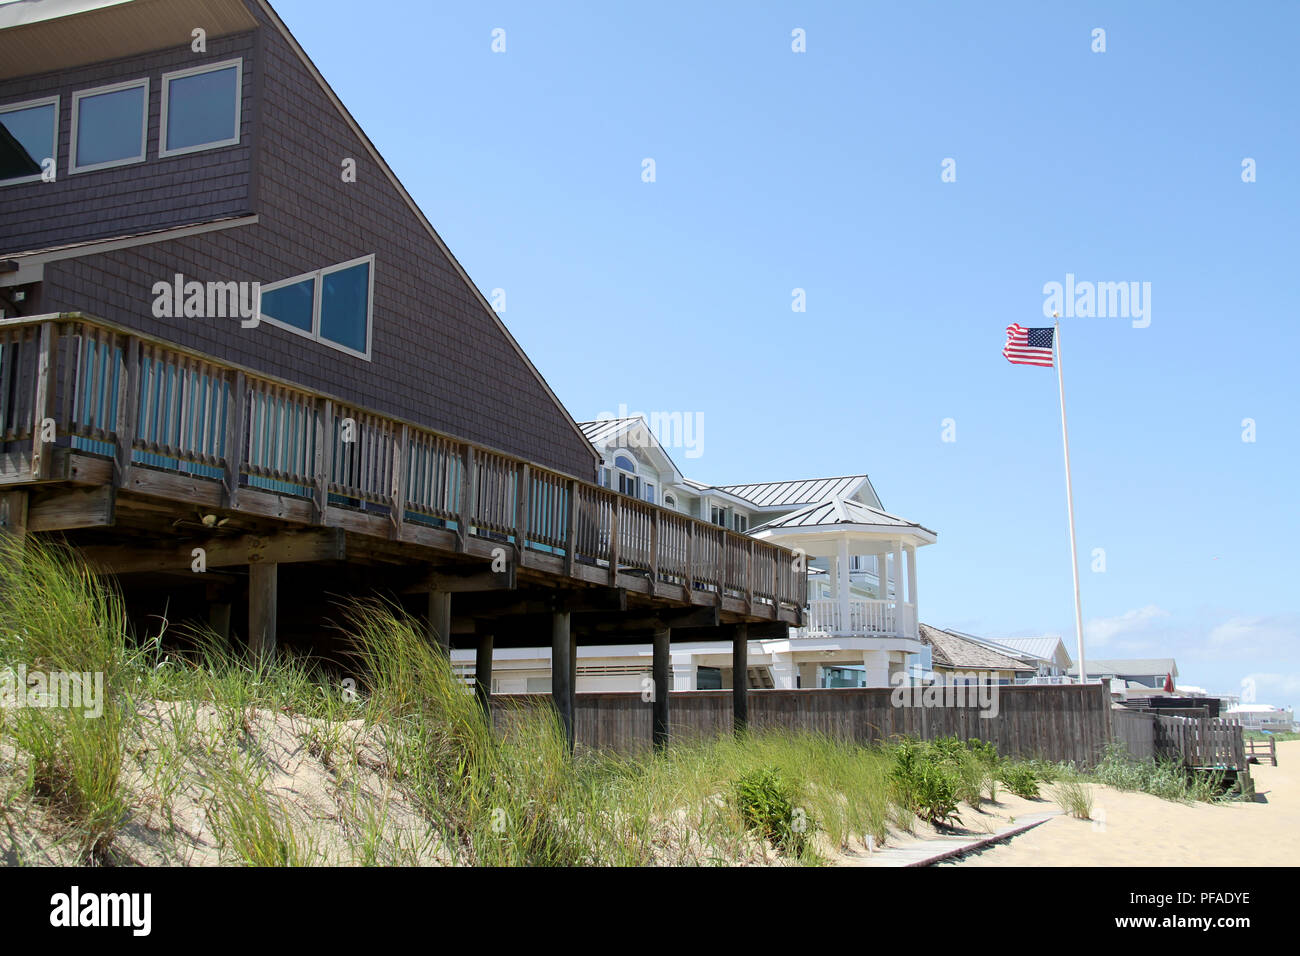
x: 562, y: 658
x: 483, y: 674
x: 262, y: 601
x: 661, y: 671
x: 740, y: 679
x: 13, y: 513
x: 439, y: 627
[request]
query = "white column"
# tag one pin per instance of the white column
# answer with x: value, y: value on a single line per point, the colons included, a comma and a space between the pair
x: 683, y: 666
x: 911, y: 575
x: 898, y: 587
x: 876, y: 664
x: 882, y: 574
x: 844, y: 585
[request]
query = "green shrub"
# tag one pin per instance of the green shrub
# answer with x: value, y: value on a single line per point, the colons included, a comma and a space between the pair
x: 1020, y: 779
x: 768, y: 805
x: 1074, y: 797
x: 926, y: 778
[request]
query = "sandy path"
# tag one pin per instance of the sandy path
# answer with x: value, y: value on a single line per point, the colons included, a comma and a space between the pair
x: 1137, y: 828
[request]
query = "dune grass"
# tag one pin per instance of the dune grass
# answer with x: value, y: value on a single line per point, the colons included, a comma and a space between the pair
x: 415, y: 771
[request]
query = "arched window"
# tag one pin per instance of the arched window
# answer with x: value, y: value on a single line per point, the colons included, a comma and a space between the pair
x: 670, y: 501
x: 628, y: 482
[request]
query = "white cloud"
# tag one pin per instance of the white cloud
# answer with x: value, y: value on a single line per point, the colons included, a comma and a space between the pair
x: 1101, y: 631
x: 1255, y: 636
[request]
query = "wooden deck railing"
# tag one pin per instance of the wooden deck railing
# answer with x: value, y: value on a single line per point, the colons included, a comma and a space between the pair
x: 144, y: 402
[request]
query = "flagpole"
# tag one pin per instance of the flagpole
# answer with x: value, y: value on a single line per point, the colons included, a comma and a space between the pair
x: 1069, y: 504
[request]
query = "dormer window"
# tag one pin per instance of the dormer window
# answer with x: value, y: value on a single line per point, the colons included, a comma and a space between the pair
x: 628, y: 482
x: 201, y: 108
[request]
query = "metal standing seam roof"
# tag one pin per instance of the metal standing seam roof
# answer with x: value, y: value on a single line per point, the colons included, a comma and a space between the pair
x: 598, y: 432
x: 1043, y: 648
x: 772, y: 494
x: 837, y: 511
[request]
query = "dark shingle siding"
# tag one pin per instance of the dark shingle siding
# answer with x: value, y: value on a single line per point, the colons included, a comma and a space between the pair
x: 155, y: 194
x: 438, y: 357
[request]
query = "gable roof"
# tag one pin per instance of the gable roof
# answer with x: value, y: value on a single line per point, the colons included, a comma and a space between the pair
x: 602, y: 432
x: 138, y: 26
x: 950, y: 650
x: 840, y: 511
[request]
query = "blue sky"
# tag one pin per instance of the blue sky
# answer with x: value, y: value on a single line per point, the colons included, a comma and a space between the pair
x: 777, y: 170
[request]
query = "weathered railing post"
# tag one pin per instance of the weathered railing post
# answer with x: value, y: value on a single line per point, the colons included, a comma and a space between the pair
x: 128, y: 410
x: 613, y: 538
x: 749, y: 576
x: 467, y: 477
x: 236, y: 425
x: 722, y: 563
x: 397, y: 481
x: 523, y: 506
x: 571, y: 532
x: 654, y: 551
x: 324, y: 460
x: 43, y: 404
x: 690, y: 559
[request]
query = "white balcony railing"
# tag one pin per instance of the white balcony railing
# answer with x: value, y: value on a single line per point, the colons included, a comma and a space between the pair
x: 865, y: 618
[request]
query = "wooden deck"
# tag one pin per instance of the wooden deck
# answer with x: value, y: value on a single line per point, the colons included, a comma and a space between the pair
x: 143, y: 449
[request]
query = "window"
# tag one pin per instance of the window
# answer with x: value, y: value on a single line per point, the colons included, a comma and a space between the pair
x: 670, y: 501
x: 650, y: 492
x: 718, y: 516
x: 28, y: 137
x: 741, y: 523
x: 332, y: 306
x: 292, y: 305
x: 201, y: 108
x: 109, y: 126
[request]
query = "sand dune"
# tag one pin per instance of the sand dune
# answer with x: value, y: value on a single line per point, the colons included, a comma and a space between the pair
x: 1139, y: 829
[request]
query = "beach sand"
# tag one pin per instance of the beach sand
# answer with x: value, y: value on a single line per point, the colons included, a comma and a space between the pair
x: 1139, y: 829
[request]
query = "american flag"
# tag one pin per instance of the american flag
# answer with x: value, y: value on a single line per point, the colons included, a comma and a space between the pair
x: 1028, y: 346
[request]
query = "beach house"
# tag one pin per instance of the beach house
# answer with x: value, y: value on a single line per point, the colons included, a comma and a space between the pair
x: 241, y: 371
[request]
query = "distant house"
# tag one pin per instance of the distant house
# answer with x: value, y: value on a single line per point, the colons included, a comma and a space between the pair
x: 1046, y: 655
x: 1136, y: 677
x: 1263, y: 717
x: 957, y: 659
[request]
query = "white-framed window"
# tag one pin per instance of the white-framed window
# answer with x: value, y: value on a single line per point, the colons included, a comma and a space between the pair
x: 201, y: 108
x: 740, y: 522
x: 110, y: 126
x: 670, y: 501
x: 718, y: 516
x: 650, y: 491
x: 628, y: 482
x: 29, y: 135
x: 333, y: 306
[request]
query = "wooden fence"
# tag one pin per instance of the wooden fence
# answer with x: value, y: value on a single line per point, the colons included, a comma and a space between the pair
x: 151, y: 404
x: 1055, y: 722
x: 1136, y: 730
x: 1201, y: 743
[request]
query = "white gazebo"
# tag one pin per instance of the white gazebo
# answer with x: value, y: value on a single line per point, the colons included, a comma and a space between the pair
x: 862, y: 605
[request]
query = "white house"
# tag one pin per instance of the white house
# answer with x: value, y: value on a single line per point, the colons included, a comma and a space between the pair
x: 1263, y: 717
x: 862, y: 624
